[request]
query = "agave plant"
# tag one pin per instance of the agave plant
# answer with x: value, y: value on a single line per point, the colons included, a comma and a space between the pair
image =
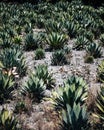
x: 62, y: 5
x: 17, y: 40
x: 56, y: 40
x: 78, y: 81
x: 100, y: 104
x: 71, y: 28
x: 73, y: 91
x: 70, y: 94
x: 41, y: 72
x: 7, y: 121
x: 89, y: 59
x: 53, y: 26
x: 59, y: 58
x: 31, y: 41
x: 74, y: 118
x: 6, y: 86
x: 10, y: 58
x: 80, y: 43
x: 20, y: 107
x: 94, y: 50
x: 67, y: 50
x: 4, y: 17
x: 10, y: 31
x: 88, y: 34
x: 40, y: 21
x: 39, y: 54
x: 34, y: 88
x: 5, y: 41
x: 101, y: 71
x: 28, y: 28
x: 18, y: 29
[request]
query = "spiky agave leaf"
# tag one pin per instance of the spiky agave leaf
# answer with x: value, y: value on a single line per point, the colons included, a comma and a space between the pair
x: 100, y: 104
x: 101, y: 72
x: 74, y: 118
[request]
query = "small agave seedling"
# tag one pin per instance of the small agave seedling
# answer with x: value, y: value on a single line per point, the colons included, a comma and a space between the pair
x: 39, y: 54
x: 20, y: 107
x: 17, y: 40
x: 89, y: 59
x: 59, y: 58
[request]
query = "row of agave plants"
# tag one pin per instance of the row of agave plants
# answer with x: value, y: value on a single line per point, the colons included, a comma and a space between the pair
x: 58, y: 23
x: 62, y: 18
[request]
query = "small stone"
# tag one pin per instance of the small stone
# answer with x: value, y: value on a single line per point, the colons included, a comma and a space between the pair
x: 47, y: 93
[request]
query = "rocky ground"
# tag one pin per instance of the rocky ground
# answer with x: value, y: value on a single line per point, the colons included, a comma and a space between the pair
x: 77, y: 66
x: 48, y: 120
x: 42, y: 116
